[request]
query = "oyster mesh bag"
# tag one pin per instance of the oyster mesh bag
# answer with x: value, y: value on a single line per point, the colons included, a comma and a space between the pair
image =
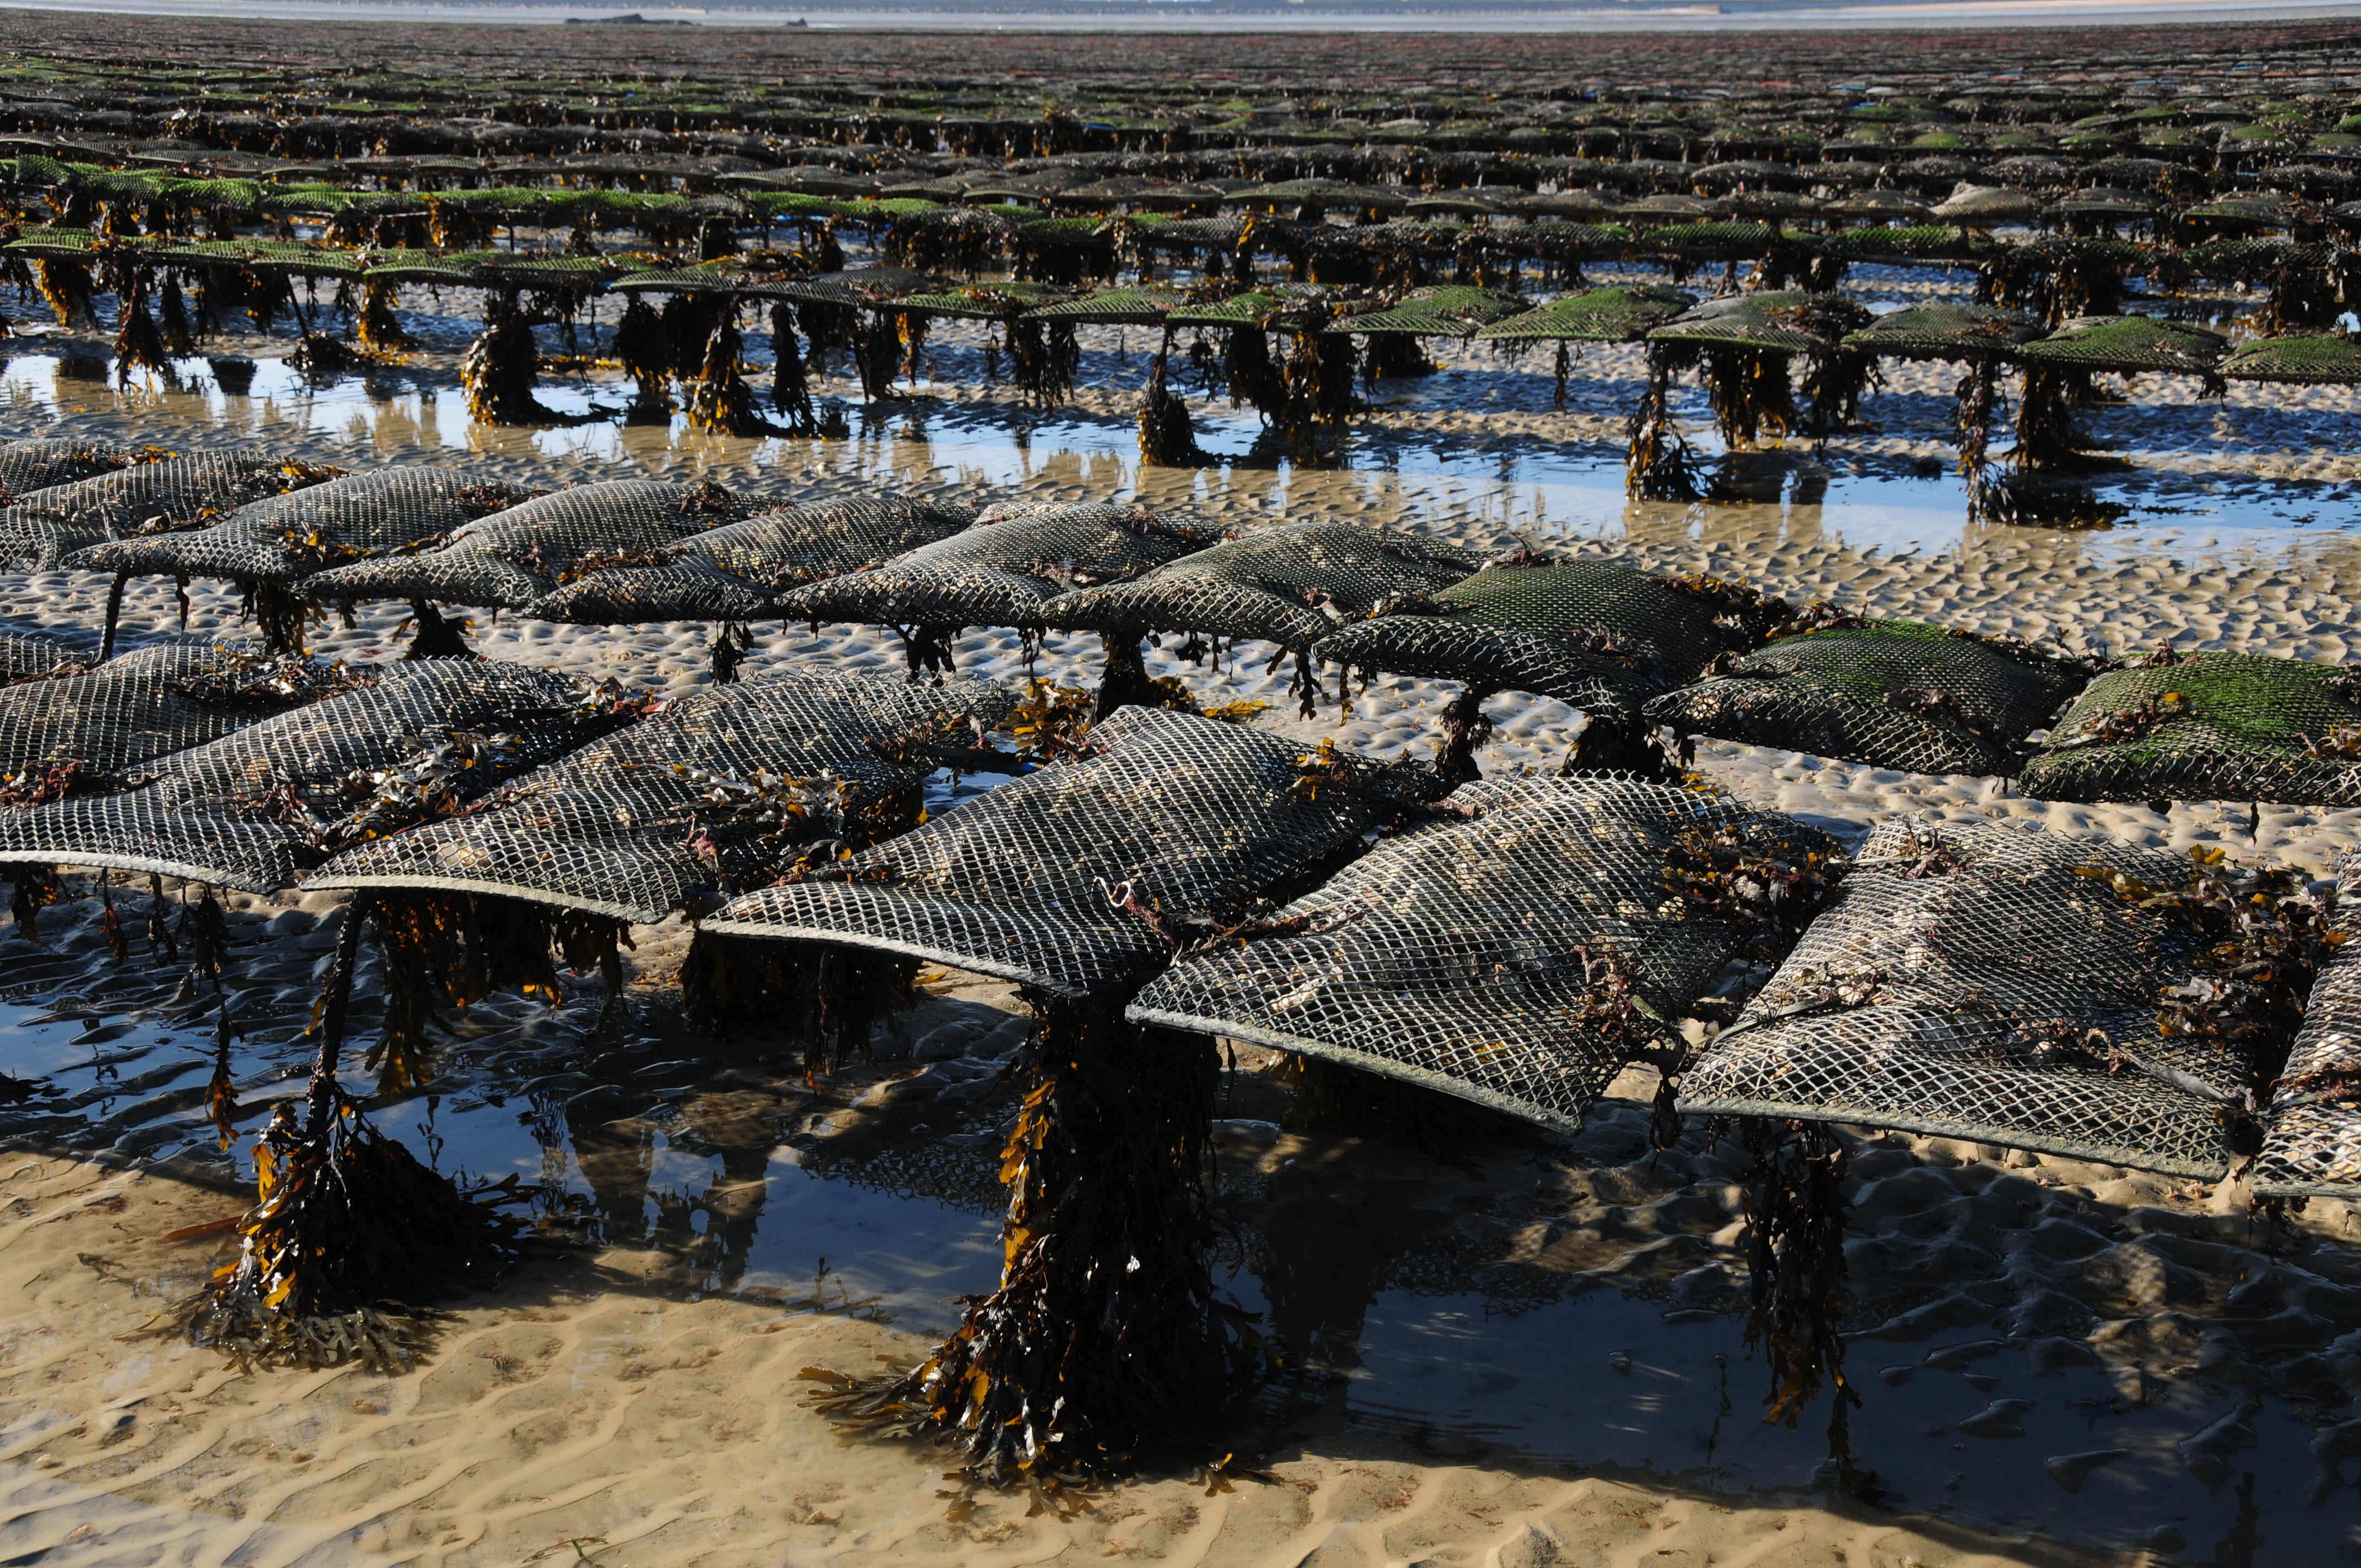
x: 1981, y: 980
x: 513, y: 557
x: 1595, y: 633
x: 2312, y: 1145
x: 1516, y: 957
x: 710, y: 795
x: 290, y: 536
x: 2208, y: 727
x: 61, y: 460
x: 736, y: 571
x: 46, y: 526
x: 28, y: 655
x: 249, y: 810
x: 94, y: 728
x: 1001, y: 571
x: 1291, y: 584
x: 1081, y: 879
x: 1892, y: 694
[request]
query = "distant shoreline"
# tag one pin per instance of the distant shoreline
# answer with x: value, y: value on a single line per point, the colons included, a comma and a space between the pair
x: 1242, y: 16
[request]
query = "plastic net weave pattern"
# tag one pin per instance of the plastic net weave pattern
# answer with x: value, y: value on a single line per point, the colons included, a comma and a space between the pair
x: 244, y: 810
x: 1194, y: 817
x: 736, y: 571
x: 134, y: 706
x: 751, y: 772
x: 47, y: 525
x: 286, y: 537
x: 1953, y: 988
x: 1291, y: 584
x: 55, y: 460
x: 2208, y: 727
x: 1480, y: 956
x: 2313, y: 1147
x: 1892, y: 694
x: 511, y: 558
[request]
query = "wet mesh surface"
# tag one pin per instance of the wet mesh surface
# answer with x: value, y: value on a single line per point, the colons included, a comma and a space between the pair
x: 1291, y: 584
x: 511, y: 558
x: 2314, y: 1144
x: 241, y: 811
x: 290, y: 536
x: 2129, y: 344
x: 1954, y: 1002
x: 27, y: 656
x: 1591, y: 632
x: 51, y: 460
x: 135, y: 706
x: 759, y: 768
x: 1945, y: 329
x: 1001, y: 571
x: 47, y: 525
x: 2296, y: 361
x: 2208, y: 727
x: 736, y: 571
x: 1199, y: 817
x: 1892, y: 694
x: 1774, y: 320
x: 1596, y: 316
x: 1477, y: 957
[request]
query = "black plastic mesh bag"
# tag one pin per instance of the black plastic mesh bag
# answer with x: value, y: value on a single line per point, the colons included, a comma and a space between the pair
x: 712, y: 795
x: 736, y: 571
x: 1517, y: 957
x: 47, y: 525
x: 1590, y: 632
x: 1186, y: 820
x: 513, y: 557
x: 1291, y: 584
x: 61, y: 460
x: 29, y: 655
x: 251, y: 809
x: 2208, y: 727
x: 1982, y: 981
x: 1892, y: 694
x: 1005, y: 568
x: 2313, y: 1147
x: 290, y: 536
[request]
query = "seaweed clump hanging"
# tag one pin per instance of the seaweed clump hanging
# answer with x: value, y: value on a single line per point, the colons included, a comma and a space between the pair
x: 501, y: 368
x: 1106, y: 1342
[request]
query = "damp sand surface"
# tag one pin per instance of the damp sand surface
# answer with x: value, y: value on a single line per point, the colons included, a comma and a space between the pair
x: 1507, y: 1347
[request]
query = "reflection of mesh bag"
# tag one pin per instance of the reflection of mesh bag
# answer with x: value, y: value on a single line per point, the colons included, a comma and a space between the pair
x: 2208, y: 727
x: 47, y: 525
x: 2313, y: 1146
x: 1193, y: 818
x: 1517, y: 958
x: 54, y: 460
x: 248, y: 809
x: 712, y: 793
x: 734, y: 571
x: 1981, y: 980
x: 513, y: 557
x: 290, y: 536
x: 1590, y: 632
x: 1001, y: 571
x: 142, y: 705
x: 1892, y: 694
x: 1291, y: 584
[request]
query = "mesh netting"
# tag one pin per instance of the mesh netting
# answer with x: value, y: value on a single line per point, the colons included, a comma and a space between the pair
x: 1497, y: 958
x: 1774, y: 320
x: 250, y: 810
x: 2208, y: 727
x: 2314, y: 1145
x: 143, y: 705
x: 290, y: 536
x: 1945, y: 330
x: 1892, y: 694
x: 1291, y: 584
x: 2298, y: 361
x: 710, y: 795
x: 61, y: 460
x: 1451, y: 310
x: 28, y: 655
x: 47, y: 525
x: 1982, y: 981
x: 1004, y: 569
x: 513, y: 557
x: 1596, y: 316
x: 1190, y: 820
x: 1591, y: 632
x: 2129, y: 344
x: 734, y: 571
x: 1986, y: 205
x: 1110, y: 307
